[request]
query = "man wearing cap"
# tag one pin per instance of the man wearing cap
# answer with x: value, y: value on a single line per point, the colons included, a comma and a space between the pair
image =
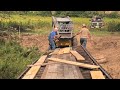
x: 84, y: 35
x: 51, y: 38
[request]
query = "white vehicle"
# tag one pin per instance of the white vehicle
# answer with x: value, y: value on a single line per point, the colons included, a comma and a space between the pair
x: 97, y: 22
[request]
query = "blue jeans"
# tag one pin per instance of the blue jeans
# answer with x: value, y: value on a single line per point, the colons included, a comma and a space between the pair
x: 51, y: 44
x: 83, y: 42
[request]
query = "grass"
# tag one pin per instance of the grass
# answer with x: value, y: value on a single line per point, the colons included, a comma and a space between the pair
x: 14, y: 59
x: 100, y: 33
x: 42, y: 25
x: 36, y: 23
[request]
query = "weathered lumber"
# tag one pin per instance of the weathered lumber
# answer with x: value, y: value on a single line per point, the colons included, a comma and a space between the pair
x: 74, y: 63
x: 33, y: 70
x: 50, y: 71
x: 67, y: 50
x: 77, y: 55
x: 44, y: 64
x: 97, y: 75
x: 55, y: 51
x: 64, y: 50
x: 62, y: 70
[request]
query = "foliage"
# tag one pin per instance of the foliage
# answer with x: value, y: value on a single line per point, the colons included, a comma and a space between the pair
x: 114, y: 26
x: 14, y: 59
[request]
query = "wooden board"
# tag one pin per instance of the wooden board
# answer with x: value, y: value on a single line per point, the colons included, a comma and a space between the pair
x: 55, y: 51
x: 64, y: 50
x: 77, y: 55
x: 61, y: 51
x: 97, y: 75
x: 67, y: 50
x: 33, y: 70
x: 74, y: 63
x: 76, y: 69
x: 38, y: 64
x: 61, y: 70
x: 50, y: 71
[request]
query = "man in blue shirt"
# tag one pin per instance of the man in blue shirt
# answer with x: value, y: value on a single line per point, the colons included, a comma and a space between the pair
x: 51, y: 39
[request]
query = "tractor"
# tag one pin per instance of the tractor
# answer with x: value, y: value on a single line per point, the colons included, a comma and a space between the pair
x: 65, y: 30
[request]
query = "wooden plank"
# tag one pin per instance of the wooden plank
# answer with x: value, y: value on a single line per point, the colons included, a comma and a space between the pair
x: 74, y: 63
x: 76, y: 69
x: 33, y: 70
x: 61, y: 51
x: 70, y: 71
x: 77, y: 55
x: 55, y: 51
x: 50, y: 71
x: 77, y: 73
x: 44, y: 64
x: 71, y: 68
x: 97, y: 75
x: 64, y: 50
x: 61, y: 70
x: 67, y: 50
x: 44, y: 72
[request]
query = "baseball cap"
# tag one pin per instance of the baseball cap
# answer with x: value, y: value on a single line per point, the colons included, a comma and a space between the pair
x: 83, y: 25
x: 56, y: 28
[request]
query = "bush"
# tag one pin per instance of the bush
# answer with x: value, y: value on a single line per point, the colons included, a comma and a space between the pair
x: 14, y: 59
x: 113, y: 26
x: 113, y: 15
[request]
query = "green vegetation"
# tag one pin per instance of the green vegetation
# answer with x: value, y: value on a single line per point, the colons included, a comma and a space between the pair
x: 100, y: 33
x: 26, y: 23
x: 87, y: 14
x: 14, y: 58
x: 114, y: 26
x: 42, y: 25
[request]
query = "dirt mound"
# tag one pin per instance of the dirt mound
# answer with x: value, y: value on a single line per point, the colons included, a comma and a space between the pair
x: 35, y: 40
x: 107, y: 43
x: 109, y: 48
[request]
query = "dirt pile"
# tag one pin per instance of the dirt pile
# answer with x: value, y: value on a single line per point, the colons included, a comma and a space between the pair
x: 109, y: 48
x: 107, y: 43
x: 35, y: 40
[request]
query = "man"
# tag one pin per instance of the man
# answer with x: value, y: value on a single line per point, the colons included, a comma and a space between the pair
x: 84, y: 35
x: 52, y: 37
